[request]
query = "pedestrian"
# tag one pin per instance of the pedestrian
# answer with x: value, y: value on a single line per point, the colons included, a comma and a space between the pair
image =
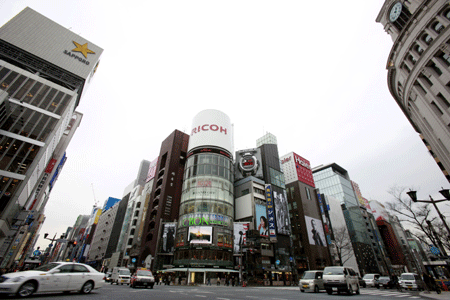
x: 232, y: 281
x: 208, y: 282
x: 218, y: 281
x: 179, y: 280
x: 170, y: 279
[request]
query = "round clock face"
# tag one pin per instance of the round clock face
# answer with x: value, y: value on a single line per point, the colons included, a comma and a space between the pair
x: 248, y: 164
x: 395, y: 12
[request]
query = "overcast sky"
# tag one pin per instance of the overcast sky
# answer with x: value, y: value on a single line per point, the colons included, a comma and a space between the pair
x: 313, y: 73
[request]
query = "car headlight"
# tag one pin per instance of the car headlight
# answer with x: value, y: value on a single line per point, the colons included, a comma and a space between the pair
x: 16, y: 279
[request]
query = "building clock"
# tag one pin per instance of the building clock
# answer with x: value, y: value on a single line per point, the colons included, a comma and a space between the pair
x: 395, y: 12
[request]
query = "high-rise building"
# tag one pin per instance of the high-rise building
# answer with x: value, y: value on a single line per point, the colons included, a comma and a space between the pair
x: 419, y: 69
x: 44, y: 71
x: 204, y: 236
x: 309, y: 224
x: 164, y: 202
x: 333, y: 180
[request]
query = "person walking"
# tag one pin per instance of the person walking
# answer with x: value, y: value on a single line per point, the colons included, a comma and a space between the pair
x: 218, y: 281
x: 208, y: 282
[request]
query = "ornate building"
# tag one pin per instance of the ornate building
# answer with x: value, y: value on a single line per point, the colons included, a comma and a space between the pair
x: 418, y: 69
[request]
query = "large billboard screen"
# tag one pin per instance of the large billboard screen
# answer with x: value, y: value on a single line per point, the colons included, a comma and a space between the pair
x: 315, y: 231
x: 200, y: 235
x: 240, y: 240
x: 281, y: 212
x: 248, y: 163
x: 168, y: 238
x: 211, y: 128
x: 261, y: 220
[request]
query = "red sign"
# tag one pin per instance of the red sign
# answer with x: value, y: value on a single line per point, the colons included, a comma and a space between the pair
x: 50, y: 166
x: 304, y: 172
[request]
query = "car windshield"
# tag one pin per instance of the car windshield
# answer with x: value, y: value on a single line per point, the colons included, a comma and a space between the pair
x: 309, y: 275
x: 144, y: 273
x: 384, y: 278
x: 47, y: 267
x: 124, y: 272
x: 333, y: 271
x: 407, y: 277
x: 368, y: 276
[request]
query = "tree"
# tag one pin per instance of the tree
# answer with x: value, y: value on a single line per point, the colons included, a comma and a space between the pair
x: 343, y: 244
x: 417, y: 215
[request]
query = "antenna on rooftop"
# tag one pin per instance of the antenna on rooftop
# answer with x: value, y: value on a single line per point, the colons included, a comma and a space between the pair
x: 93, y: 192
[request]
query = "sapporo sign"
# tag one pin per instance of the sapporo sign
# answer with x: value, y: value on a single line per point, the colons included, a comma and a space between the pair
x: 83, y: 49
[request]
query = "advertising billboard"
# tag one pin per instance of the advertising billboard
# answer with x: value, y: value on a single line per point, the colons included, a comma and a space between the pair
x: 200, y: 235
x: 248, y: 163
x: 270, y: 211
x: 379, y: 211
x: 240, y: 241
x: 52, y: 42
x: 261, y: 220
x: 211, y: 128
x: 168, y: 238
x: 315, y: 231
x: 152, y: 170
x: 281, y: 212
x: 296, y: 168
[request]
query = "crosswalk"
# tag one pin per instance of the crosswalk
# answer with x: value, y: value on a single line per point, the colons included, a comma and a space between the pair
x: 390, y: 294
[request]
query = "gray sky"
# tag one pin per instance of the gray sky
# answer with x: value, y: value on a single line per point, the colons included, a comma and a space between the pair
x: 312, y: 73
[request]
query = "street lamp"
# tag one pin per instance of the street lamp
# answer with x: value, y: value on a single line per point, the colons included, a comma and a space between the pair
x: 444, y: 192
x: 52, y: 246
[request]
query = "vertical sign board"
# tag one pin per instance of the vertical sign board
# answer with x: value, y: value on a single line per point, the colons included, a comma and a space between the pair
x: 270, y: 212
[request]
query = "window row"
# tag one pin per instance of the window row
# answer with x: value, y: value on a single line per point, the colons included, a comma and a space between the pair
x: 212, y: 170
x: 33, y: 92
x: 210, y: 159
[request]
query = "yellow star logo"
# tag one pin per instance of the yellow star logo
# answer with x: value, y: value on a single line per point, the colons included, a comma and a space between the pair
x: 83, y: 49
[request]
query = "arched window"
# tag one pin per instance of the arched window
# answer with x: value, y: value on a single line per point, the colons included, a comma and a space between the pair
x: 438, y: 27
x: 418, y: 49
x: 427, y: 38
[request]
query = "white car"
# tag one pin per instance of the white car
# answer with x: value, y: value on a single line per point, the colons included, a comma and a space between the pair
x: 52, y: 277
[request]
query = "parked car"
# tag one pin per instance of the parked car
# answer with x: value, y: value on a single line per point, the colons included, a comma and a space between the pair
x: 142, y: 277
x: 340, y: 279
x: 312, y: 281
x: 386, y: 282
x: 412, y: 281
x: 108, y: 277
x: 371, y: 279
x: 120, y: 276
x: 52, y: 277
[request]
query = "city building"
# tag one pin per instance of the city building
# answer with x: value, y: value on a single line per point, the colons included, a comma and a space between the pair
x: 418, y: 69
x: 164, y: 202
x: 44, y: 71
x: 333, y: 180
x: 309, y: 224
x: 204, y: 235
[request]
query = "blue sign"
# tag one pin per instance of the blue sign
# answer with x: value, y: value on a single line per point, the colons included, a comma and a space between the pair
x: 435, y: 250
x: 277, y: 262
x: 291, y: 258
x: 270, y: 211
x: 36, y: 252
x: 133, y: 260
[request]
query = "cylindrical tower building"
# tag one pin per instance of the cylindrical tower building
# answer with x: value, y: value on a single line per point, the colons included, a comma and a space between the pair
x: 205, y: 228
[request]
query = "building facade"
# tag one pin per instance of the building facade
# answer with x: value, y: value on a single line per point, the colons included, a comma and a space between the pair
x: 44, y: 71
x: 419, y: 69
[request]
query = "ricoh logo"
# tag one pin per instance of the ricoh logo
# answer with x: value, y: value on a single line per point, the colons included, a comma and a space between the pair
x: 209, y: 127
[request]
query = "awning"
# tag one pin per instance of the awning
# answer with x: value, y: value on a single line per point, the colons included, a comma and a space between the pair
x: 202, y: 270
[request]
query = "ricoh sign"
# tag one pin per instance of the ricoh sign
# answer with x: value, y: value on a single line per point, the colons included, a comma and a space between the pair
x: 211, y: 128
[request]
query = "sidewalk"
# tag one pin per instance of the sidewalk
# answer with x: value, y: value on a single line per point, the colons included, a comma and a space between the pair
x: 433, y: 295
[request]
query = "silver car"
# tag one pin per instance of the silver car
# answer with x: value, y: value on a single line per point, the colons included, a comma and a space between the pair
x: 52, y: 277
x: 312, y: 281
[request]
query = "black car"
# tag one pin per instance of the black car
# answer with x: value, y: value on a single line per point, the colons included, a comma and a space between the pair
x: 362, y: 283
x: 386, y: 282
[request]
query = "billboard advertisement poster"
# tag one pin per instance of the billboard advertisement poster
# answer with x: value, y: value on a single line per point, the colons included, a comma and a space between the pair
x: 200, y: 235
x: 315, y: 231
x: 168, y: 238
x: 180, y: 240
x: 152, y: 170
x: 211, y: 127
x: 248, y: 163
x: 261, y: 220
x: 238, y: 241
x: 281, y: 212
x: 270, y: 211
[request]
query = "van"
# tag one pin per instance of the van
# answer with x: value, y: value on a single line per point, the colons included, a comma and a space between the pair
x: 340, y: 279
x: 312, y: 281
x: 371, y: 279
x: 412, y: 281
x: 120, y: 275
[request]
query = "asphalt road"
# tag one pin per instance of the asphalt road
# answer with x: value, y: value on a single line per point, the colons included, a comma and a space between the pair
x: 164, y: 292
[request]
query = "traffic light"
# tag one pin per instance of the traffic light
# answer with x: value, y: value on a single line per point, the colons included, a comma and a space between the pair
x: 45, y: 235
x: 75, y: 243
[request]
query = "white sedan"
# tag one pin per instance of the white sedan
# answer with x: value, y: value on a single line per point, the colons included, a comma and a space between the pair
x: 52, y: 277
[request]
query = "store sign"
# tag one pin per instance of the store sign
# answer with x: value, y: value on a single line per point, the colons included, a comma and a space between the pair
x: 270, y: 211
x: 204, y: 220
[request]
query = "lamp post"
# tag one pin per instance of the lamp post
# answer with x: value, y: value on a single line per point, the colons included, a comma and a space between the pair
x: 52, y: 245
x: 444, y: 192
x: 240, y: 257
